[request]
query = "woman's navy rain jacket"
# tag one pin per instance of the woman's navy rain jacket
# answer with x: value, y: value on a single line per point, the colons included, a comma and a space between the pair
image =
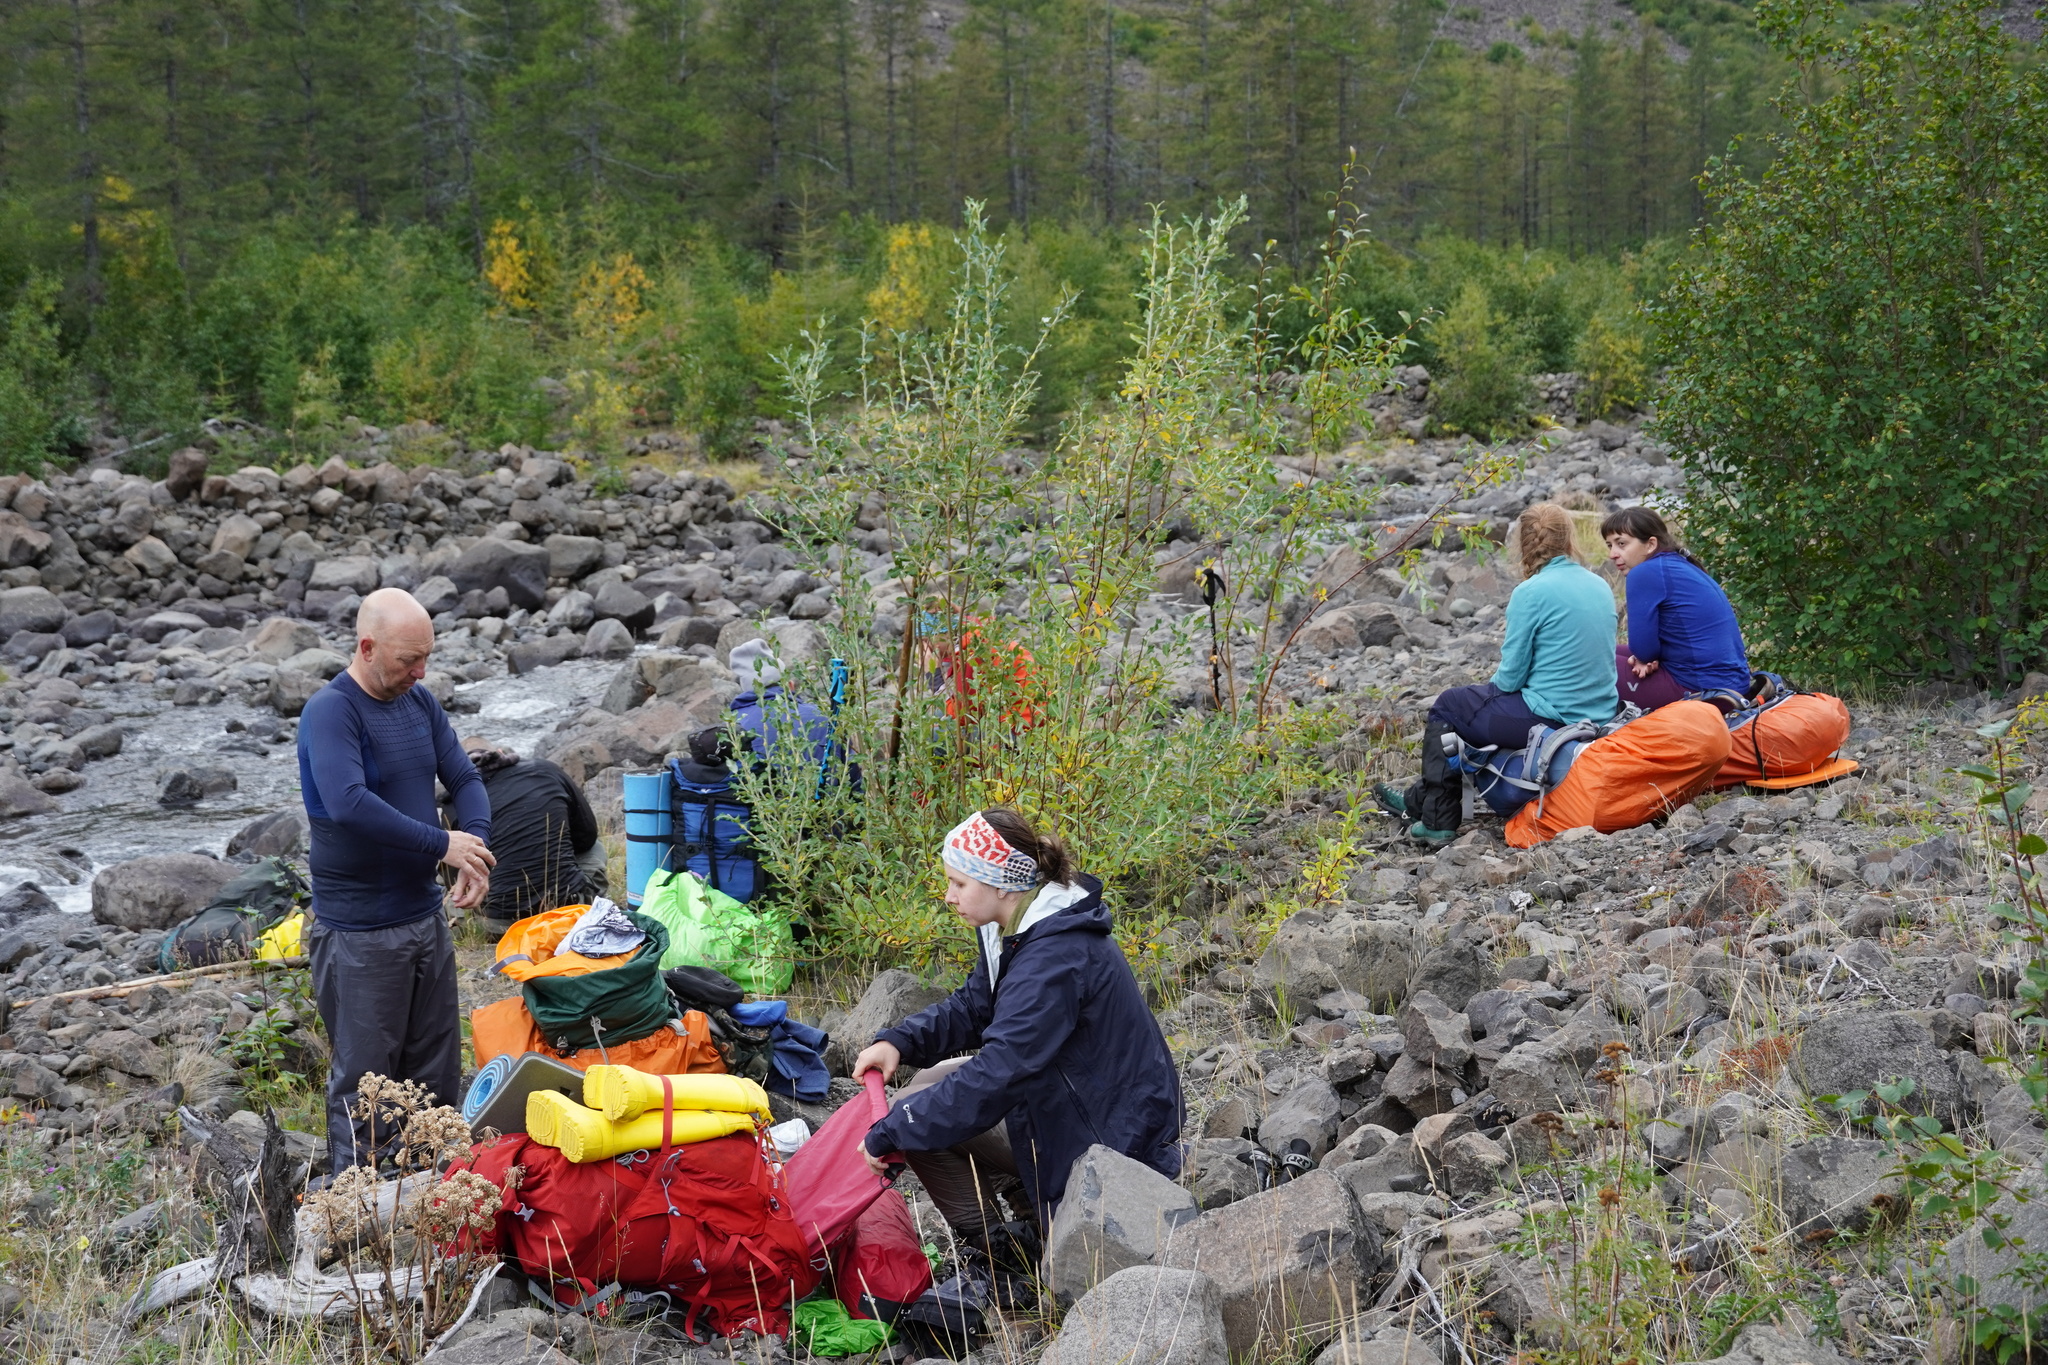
x: 1069, y: 1056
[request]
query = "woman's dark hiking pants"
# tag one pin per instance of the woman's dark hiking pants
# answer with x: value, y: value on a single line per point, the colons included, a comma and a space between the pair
x: 388, y: 999
x: 1480, y: 715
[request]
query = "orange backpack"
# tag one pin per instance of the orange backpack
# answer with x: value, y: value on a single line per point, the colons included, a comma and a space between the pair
x: 1797, y: 736
x: 506, y: 1029
x: 1646, y: 768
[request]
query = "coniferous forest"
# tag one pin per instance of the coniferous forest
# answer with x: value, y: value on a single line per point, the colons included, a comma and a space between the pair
x: 285, y: 210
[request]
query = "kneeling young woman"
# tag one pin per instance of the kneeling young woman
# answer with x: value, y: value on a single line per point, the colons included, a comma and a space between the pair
x: 1068, y: 1054
x: 1682, y: 633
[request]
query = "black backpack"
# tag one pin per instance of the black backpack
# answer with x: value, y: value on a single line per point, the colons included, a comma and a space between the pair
x: 227, y: 929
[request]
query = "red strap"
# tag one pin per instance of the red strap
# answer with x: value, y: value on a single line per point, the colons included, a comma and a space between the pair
x: 878, y: 1102
x: 668, y: 1115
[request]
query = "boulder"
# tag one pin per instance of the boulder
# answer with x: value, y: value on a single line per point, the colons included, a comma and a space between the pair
x: 520, y: 569
x: 290, y: 690
x: 17, y: 798
x: 24, y: 902
x: 1860, y: 1049
x: 151, y: 557
x: 545, y: 653
x: 323, y: 664
x: 1435, y: 1035
x: 892, y: 997
x: 1549, y: 1074
x: 35, y: 609
x: 1117, y: 1213
x: 187, y: 472
x: 158, y: 891
x: 280, y: 637
x: 279, y: 834
x: 237, y: 536
x: 1835, y: 1184
x: 91, y: 628
x: 1456, y: 971
x: 358, y: 574
x: 1223, y: 1172
x: 1395, y: 1346
x: 608, y: 639
x: 159, y: 624
x: 617, y: 602
x: 187, y: 784
x: 438, y: 594
x: 572, y: 609
x: 1473, y: 1166
x: 1767, y: 1344
x: 20, y: 543
x: 572, y: 557
x: 1307, y: 1113
x: 1295, y: 1260
x: 130, y: 1053
x: 1144, y: 1315
x: 1315, y: 953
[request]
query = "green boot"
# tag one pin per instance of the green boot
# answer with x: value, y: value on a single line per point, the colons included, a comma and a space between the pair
x: 1430, y: 838
x: 1392, y: 800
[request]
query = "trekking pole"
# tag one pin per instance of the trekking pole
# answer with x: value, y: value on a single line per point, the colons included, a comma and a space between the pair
x: 1211, y: 579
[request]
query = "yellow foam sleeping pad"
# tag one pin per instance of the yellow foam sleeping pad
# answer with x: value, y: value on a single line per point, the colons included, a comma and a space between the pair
x: 583, y: 1135
x: 621, y: 1092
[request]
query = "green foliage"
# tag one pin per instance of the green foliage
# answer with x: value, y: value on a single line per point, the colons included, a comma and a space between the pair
x: 1482, y: 382
x: 40, y: 401
x: 1858, y: 350
x: 1021, y: 663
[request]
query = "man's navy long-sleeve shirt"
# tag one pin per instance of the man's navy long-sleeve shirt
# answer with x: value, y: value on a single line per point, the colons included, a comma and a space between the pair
x: 367, y: 770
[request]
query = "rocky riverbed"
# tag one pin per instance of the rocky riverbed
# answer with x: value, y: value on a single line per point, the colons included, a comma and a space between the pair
x: 1566, y: 1099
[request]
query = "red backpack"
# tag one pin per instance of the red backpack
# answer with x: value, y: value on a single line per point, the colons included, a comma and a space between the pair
x: 708, y: 1222
x: 879, y: 1268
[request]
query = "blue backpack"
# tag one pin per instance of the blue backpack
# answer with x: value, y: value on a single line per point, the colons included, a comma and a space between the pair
x: 1509, y: 781
x: 708, y: 817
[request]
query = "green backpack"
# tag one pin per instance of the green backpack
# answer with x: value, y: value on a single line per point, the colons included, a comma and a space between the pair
x: 618, y: 1005
x: 227, y: 929
x: 707, y: 928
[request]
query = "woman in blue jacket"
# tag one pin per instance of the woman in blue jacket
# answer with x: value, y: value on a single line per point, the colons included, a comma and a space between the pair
x: 1553, y: 671
x: 1682, y: 634
x: 1065, y: 1053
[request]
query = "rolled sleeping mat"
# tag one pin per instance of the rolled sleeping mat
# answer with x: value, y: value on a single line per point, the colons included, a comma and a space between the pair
x: 622, y: 1092
x: 487, y: 1083
x: 650, y: 827
x: 583, y: 1135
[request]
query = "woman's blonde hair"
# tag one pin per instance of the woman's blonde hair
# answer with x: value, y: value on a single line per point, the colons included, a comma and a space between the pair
x: 1546, y: 533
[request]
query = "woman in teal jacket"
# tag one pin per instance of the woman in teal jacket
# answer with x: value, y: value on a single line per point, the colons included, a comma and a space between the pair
x: 1556, y: 667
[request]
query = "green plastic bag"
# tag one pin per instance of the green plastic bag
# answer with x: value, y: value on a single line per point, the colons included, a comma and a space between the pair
x: 827, y: 1329
x: 707, y: 928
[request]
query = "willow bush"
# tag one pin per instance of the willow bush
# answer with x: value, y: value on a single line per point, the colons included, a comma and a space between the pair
x: 1084, y: 708
x: 1859, y: 376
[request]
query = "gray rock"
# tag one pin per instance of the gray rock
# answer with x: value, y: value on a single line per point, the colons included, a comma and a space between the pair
x: 438, y: 594
x: 1436, y: 1036
x: 1518, y: 1293
x: 1314, y: 954
x: 188, y: 784
x: 571, y: 557
x: 1864, y: 1048
x: 533, y: 654
x: 1396, y: 1163
x: 130, y: 1053
x: 1117, y: 1213
x: 358, y: 574
x: 892, y: 997
x: 24, y: 902
x: 101, y: 741
x: 280, y: 637
x: 608, y: 639
x: 1473, y: 1166
x: 279, y: 834
x: 1837, y: 1185
x: 34, y: 609
x: 1220, y: 1177
x: 520, y: 569
x: 507, y: 1339
x: 159, y: 624
x: 290, y: 690
x: 2000, y: 1280
x: 1144, y: 1315
x: 1771, y: 1345
x: 17, y: 798
x: 187, y: 472
x: 1394, y: 1347
x: 1307, y: 1113
x: 1296, y: 1259
x: 323, y: 664
x: 618, y: 602
x: 1548, y: 1074
x: 573, y: 609
x: 1456, y: 971
x: 399, y: 571
x: 158, y: 891
x: 92, y: 628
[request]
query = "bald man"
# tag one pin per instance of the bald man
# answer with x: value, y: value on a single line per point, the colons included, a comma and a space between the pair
x: 371, y: 744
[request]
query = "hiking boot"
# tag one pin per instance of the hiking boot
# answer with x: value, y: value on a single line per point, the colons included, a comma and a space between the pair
x: 1392, y: 800
x: 1430, y: 838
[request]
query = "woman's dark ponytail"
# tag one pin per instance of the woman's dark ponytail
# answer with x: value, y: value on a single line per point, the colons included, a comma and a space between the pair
x: 1054, y: 865
x: 1640, y: 523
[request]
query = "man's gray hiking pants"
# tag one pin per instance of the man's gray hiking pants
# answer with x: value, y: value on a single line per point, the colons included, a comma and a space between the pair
x: 388, y: 999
